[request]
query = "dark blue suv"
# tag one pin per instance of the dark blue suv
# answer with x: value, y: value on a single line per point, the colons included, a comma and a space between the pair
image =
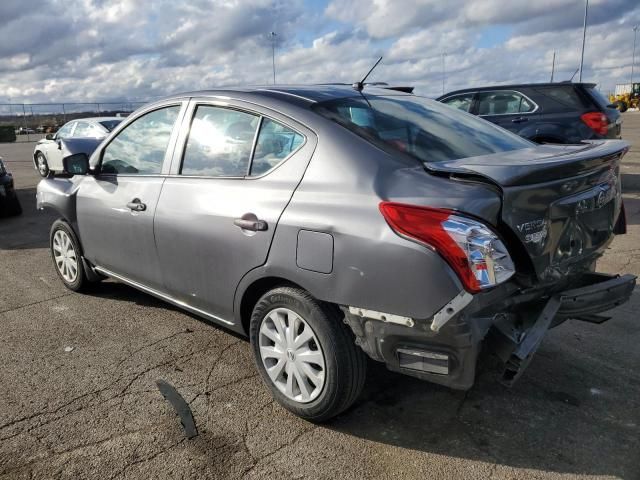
x: 543, y: 112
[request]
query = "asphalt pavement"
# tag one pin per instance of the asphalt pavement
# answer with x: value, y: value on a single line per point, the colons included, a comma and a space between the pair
x: 78, y: 395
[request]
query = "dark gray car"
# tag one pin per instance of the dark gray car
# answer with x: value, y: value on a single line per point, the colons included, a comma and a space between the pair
x: 327, y: 223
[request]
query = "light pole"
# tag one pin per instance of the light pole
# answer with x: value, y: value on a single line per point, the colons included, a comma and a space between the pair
x: 584, y: 36
x: 444, y: 70
x: 633, y: 58
x: 273, y: 54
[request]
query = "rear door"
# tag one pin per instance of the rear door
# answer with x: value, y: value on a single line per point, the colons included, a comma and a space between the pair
x: 235, y: 170
x: 461, y: 101
x: 509, y: 109
x: 115, y: 207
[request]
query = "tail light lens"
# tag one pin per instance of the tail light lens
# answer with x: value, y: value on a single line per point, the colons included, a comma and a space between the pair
x: 473, y: 251
x: 596, y: 121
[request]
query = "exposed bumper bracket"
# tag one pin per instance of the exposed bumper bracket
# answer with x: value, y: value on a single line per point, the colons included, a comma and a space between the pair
x: 602, y: 293
x: 447, y: 312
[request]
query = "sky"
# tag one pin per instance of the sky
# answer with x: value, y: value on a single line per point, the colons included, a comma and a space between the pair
x: 135, y: 50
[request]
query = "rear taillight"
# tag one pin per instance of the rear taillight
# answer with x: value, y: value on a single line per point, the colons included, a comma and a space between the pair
x: 473, y: 251
x: 596, y: 121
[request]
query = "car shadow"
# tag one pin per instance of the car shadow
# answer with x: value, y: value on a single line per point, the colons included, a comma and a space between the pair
x: 568, y: 414
x: 28, y: 230
x: 632, y: 210
x: 114, y: 290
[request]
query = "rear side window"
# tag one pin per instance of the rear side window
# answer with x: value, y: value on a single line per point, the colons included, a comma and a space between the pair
x: 275, y: 143
x: 560, y: 98
x: 220, y: 142
x: 503, y: 103
x: 600, y: 99
x: 140, y: 147
x: 461, y: 102
x: 424, y: 129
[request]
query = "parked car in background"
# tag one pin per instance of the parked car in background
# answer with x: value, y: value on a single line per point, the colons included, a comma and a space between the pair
x: 77, y: 135
x: 9, y: 203
x: 544, y: 112
x: 330, y: 222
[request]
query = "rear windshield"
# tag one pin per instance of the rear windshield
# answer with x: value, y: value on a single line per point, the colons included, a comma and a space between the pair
x: 110, y: 124
x: 600, y: 99
x: 422, y: 128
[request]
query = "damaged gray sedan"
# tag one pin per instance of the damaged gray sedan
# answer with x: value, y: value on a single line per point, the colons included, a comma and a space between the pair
x: 328, y: 223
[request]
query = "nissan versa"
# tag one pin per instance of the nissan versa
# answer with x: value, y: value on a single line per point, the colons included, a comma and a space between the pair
x: 328, y: 223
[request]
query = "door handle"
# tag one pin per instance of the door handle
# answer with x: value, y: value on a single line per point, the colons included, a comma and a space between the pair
x: 136, y: 205
x: 250, y: 222
x: 520, y: 120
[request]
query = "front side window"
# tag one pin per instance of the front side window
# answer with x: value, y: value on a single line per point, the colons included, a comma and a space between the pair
x: 424, y: 129
x: 461, y: 102
x: 65, y: 131
x: 141, y: 146
x: 275, y: 143
x: 503, y: 103
x: 83, y: 129
x: 220, y: 142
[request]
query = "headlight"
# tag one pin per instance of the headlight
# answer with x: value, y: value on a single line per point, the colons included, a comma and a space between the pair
x: 474, y: 252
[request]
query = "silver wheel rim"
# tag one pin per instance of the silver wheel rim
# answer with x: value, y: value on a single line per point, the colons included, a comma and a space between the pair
x: 65, y: 256
x: 42, y: 165
x: 291, y: 355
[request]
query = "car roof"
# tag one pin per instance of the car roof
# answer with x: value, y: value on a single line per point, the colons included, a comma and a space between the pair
x: 308, y: 94
x: 516, y: 86
x: 97, y: 119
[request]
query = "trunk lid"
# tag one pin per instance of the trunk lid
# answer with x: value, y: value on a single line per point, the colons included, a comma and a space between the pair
x: 561, y: 202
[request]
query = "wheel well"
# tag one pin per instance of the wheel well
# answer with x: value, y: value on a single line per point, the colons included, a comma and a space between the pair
x: 253, y: 293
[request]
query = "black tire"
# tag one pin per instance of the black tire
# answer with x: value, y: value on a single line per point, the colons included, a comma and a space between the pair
x: 42, y: 165
x: 622, y: 106
x: 345, y: 363
x: 80, y: 281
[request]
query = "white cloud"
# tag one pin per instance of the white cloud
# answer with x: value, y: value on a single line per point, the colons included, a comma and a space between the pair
x: 102, y: 50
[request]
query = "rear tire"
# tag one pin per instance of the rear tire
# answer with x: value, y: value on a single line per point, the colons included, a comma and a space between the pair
x: 16, y: 208
x: 67, y: 256
x: 316, y: 371
x: 42, y: 165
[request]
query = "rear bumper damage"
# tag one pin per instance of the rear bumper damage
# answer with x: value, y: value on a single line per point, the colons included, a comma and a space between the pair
x: 506, y: 322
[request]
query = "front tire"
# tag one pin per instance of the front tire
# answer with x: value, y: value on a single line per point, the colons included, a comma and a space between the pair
x: 42, y: 165
x: 67, y: 256
x: 305, y: 354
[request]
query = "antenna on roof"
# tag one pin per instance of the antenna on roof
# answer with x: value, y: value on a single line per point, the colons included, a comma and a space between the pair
x: 360, y: 85
x: 574, y: 74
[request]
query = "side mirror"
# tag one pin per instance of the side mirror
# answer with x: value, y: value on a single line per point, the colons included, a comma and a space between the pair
x: 77, y: 164
x: 49, y: 136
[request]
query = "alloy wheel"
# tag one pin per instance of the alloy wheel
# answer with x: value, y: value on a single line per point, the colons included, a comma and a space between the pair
x: 43, y: 168
x: 291, y: 355
x: 65, y: 256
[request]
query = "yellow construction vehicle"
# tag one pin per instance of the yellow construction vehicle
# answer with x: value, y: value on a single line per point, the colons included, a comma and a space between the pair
x: 626, y: 96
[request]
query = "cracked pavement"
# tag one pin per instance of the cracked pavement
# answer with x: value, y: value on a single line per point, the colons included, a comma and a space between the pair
x: 95, y: 412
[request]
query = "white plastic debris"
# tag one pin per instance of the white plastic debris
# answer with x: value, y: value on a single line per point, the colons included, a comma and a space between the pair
x: 68, y: 349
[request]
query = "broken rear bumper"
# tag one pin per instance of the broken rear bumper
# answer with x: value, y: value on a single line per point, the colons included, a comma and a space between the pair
x: 505, y: 322
x: 598, y: 293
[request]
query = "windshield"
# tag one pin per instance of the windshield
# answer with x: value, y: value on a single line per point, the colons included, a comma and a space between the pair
x: 422, y: 128
x: 110, y: 124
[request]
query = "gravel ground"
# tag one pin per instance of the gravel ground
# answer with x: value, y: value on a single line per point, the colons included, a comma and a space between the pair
x: 79, y: 398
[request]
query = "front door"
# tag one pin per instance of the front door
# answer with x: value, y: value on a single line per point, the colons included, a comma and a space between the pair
x: 116, y: 206
x: 218, y: 211
x: 53, y: 148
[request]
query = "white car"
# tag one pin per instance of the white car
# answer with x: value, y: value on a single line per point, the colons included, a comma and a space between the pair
x: 47, y: 156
